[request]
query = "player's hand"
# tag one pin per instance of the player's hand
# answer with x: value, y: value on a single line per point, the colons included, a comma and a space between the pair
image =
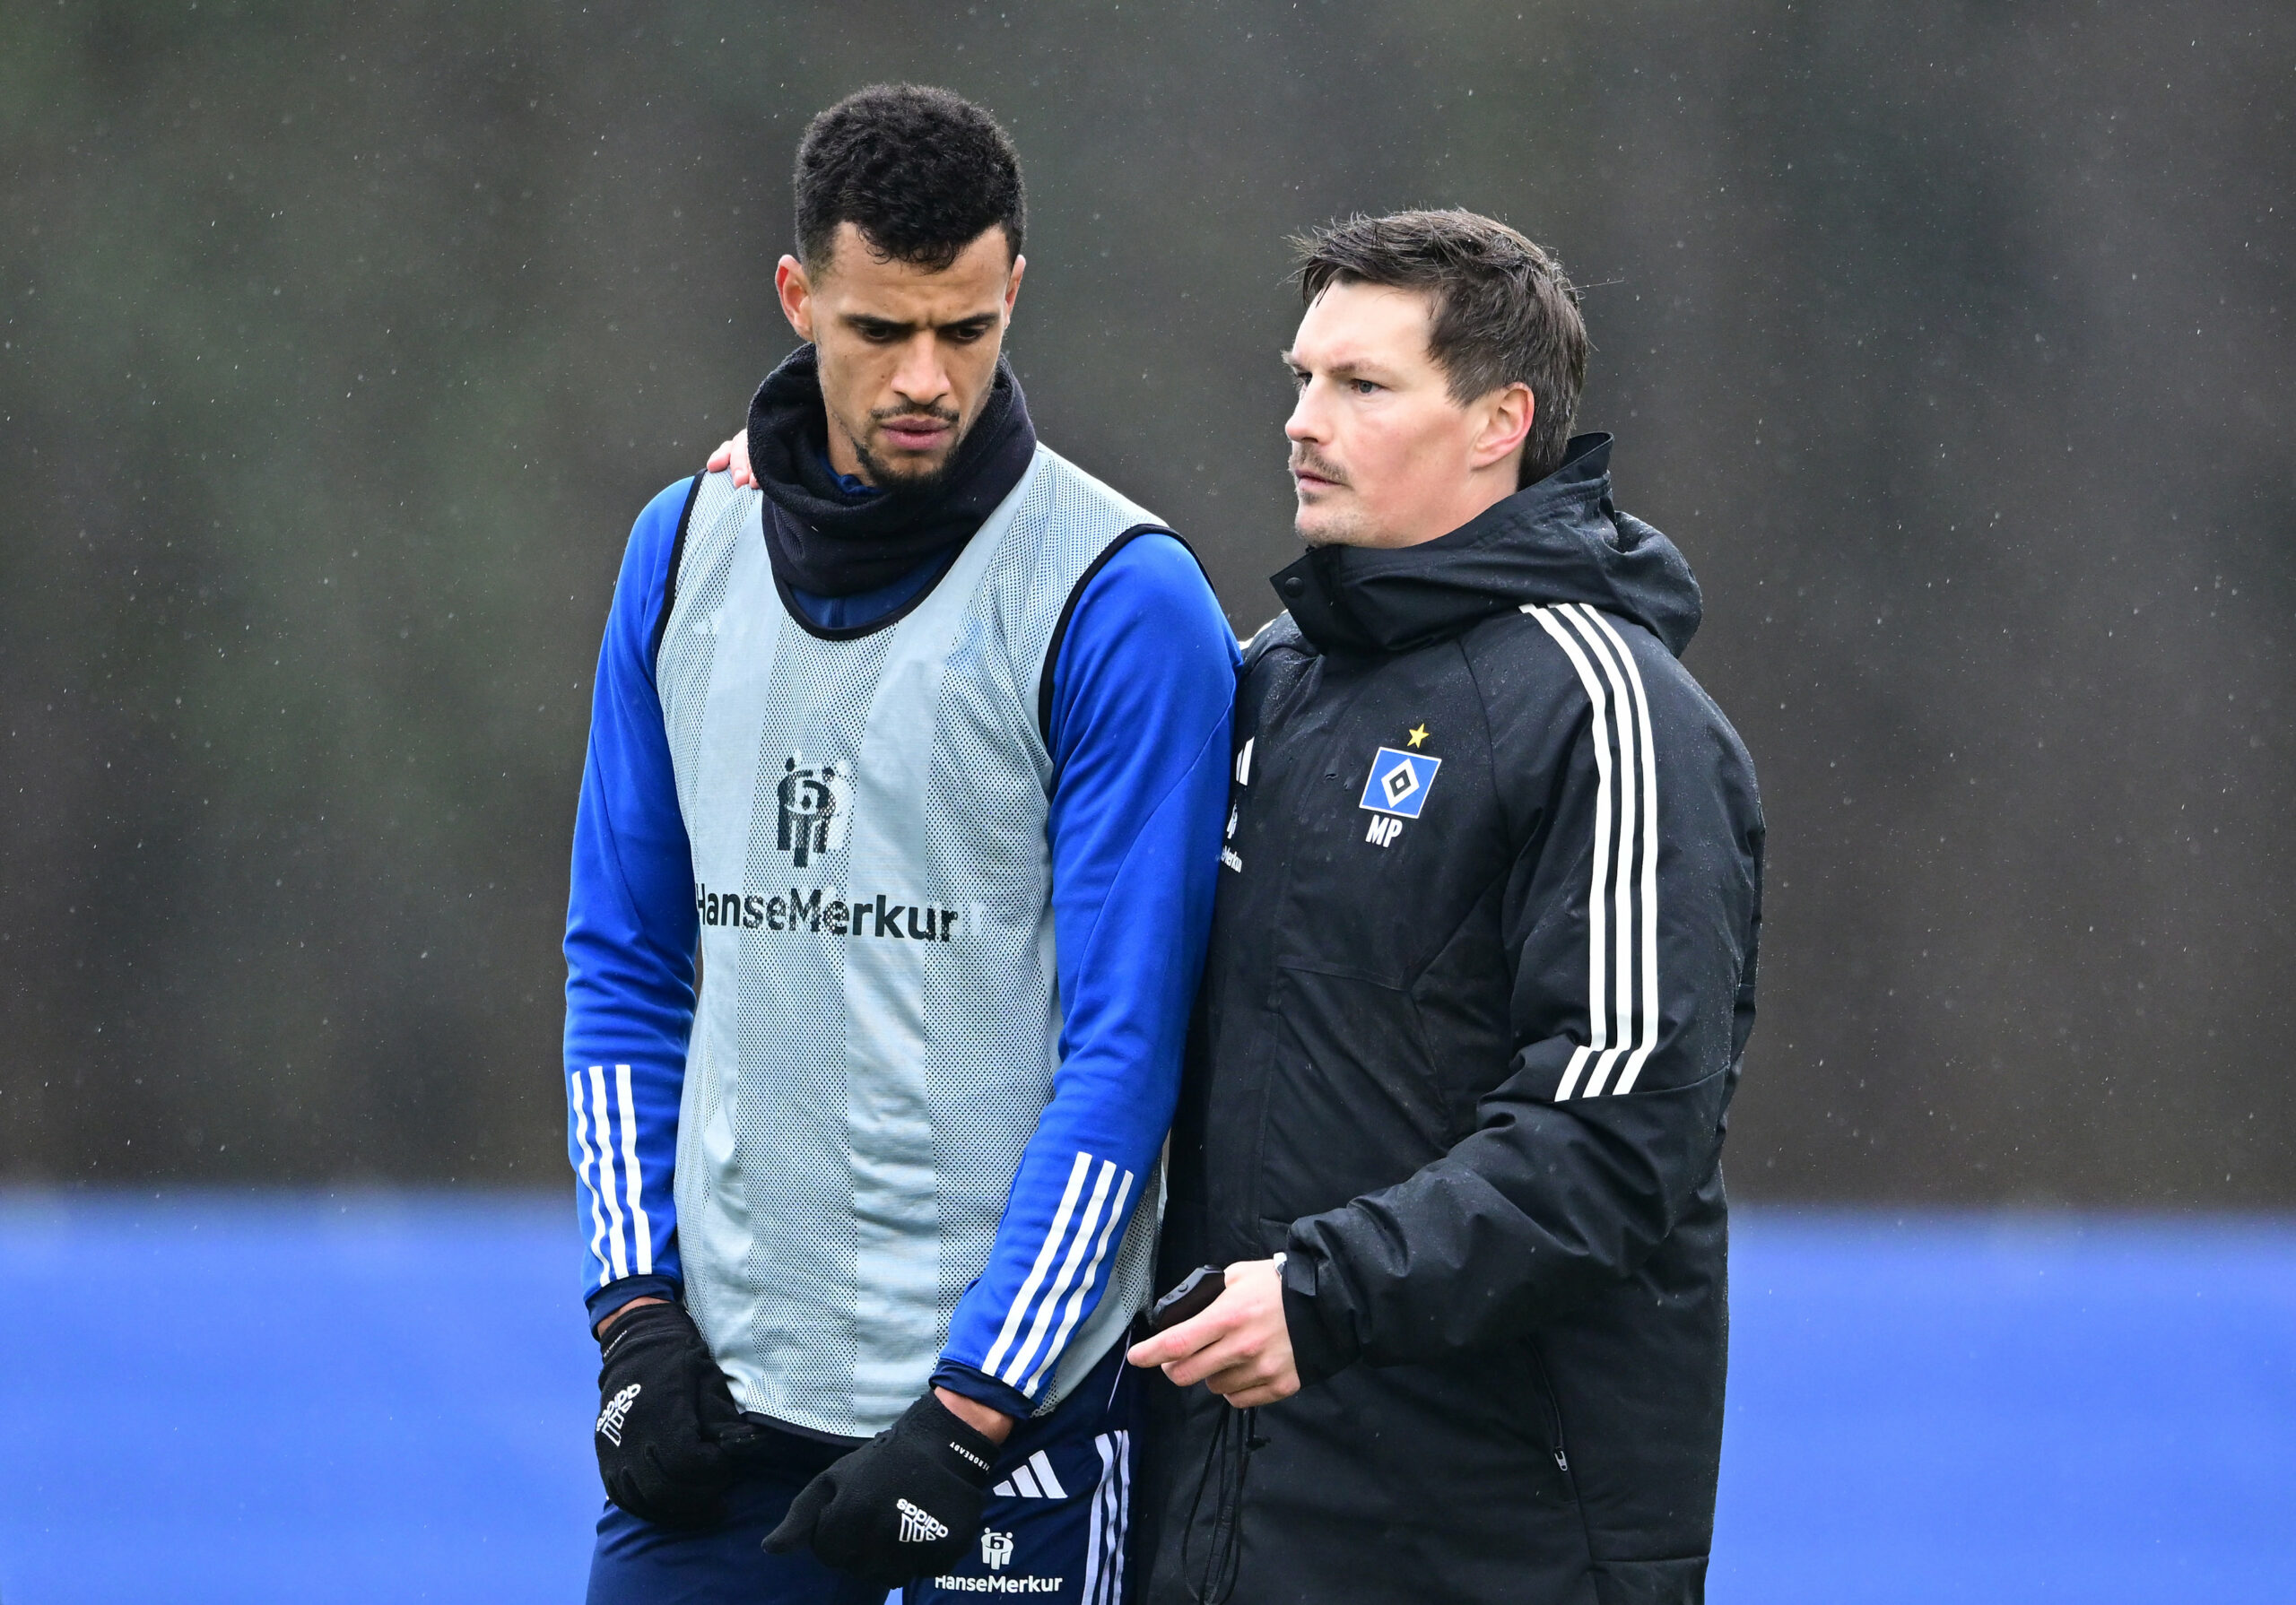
x: 1240, y: 1347
x: 906, y: 1504
x: 733, y: 455
x: 668, y: 1433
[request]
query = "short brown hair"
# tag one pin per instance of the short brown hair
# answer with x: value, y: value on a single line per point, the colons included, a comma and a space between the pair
x: 1505, y: 313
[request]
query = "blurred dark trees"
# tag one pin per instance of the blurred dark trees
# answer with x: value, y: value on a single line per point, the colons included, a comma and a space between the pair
x: 1952, y: 344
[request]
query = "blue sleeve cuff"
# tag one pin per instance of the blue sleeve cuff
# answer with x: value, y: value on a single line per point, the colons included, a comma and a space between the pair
x: 611, y: 1298
x: 982, y: 1388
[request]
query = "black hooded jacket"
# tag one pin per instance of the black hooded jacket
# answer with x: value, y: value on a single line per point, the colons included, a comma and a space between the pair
x: 1480, y: 973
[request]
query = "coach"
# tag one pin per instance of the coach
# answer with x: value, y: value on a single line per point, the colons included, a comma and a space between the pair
x: 1480, y: 973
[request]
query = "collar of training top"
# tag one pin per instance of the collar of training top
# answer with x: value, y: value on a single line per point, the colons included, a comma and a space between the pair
x: 831, y: 542
x: 1559, y: 540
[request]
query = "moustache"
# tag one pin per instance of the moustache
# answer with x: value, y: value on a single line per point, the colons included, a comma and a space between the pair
x: 1304, y: 461
x: 913, y: 415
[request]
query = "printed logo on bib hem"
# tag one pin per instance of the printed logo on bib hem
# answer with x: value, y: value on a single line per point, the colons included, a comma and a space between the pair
x: 1399, y: 782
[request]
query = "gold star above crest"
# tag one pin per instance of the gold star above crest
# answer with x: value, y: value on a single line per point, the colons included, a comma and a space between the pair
x: 1418, y: 733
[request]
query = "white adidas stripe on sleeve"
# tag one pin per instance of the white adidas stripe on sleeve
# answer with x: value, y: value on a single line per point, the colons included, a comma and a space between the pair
x: 642, y: 1229
x: 616, y: 1259
x: 1084, y: 1286
x: 1035, y: 1279
x: 1646, y: 1036
x: 1597, y: 1017
x: 1048, y: 1306
x: 587, y: 1172
x: 1622, y: 889
x: 1620, y: 885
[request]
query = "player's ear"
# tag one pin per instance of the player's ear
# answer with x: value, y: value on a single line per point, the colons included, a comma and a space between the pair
x: 795, y: 288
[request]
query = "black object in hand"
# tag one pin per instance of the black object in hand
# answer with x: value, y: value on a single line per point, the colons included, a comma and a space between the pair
x: 906, y: 1504
x: 1191, y: 1299
x: 668, y: 1432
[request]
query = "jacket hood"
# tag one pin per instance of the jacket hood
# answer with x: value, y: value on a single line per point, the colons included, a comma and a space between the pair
x: 1559, y: 540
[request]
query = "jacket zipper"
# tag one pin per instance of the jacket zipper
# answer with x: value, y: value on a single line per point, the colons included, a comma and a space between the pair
x: 1553, y: 1412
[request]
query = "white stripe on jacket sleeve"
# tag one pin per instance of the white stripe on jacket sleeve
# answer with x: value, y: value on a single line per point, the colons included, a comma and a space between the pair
x: 1622, y: 890
x: 1647, y: 1038
x: 1598, y: 1019
x: 1621, y: 882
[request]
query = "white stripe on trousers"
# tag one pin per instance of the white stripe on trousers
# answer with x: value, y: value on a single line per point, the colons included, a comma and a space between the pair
x: 1111, y: 1515
x: 1622, y: 856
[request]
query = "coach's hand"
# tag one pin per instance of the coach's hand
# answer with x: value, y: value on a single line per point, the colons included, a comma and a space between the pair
x: 668, y: 1432
x: 734, y: 457
x: 1240, y: 1347
x: 906, y: 1504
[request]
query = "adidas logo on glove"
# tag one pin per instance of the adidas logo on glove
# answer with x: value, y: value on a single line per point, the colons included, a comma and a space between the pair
x: 916, y: 1527
x: 616, y: 1412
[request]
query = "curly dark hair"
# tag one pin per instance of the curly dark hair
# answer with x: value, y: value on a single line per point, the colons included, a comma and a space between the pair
x: 1505, y: 312
x: 921, y: 173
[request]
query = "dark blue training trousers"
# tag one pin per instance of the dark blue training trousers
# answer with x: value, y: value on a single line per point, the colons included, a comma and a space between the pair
x: 1054, y: 1527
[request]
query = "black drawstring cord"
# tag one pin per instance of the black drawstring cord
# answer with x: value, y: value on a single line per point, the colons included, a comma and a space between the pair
x: 1228, y: 1461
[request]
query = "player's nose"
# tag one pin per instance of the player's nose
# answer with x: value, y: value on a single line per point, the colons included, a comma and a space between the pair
x: 921, y: 379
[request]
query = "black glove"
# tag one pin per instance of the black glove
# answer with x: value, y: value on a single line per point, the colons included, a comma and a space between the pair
x: 906, y: 1504
x: 668, y: 1431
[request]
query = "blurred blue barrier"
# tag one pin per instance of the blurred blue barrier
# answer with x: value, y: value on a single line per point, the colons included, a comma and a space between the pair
x: 2082, y: 1409
x: 274, y: 1397
x: 386, y: 1397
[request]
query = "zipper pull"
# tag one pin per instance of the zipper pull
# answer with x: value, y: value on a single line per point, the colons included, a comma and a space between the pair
x: 1561, y: 1460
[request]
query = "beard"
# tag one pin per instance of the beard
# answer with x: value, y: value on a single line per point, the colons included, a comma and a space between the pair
x: 920, y: 481
x: 915, y: 480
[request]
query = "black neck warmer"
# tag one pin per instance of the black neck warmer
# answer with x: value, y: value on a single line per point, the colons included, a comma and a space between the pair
x: 828, y: 541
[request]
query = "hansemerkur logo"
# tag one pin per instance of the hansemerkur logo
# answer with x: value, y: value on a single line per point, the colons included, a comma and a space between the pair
x: 821, y: 911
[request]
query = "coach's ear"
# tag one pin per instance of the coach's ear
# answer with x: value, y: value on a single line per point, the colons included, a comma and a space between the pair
x: 1504, y: 424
